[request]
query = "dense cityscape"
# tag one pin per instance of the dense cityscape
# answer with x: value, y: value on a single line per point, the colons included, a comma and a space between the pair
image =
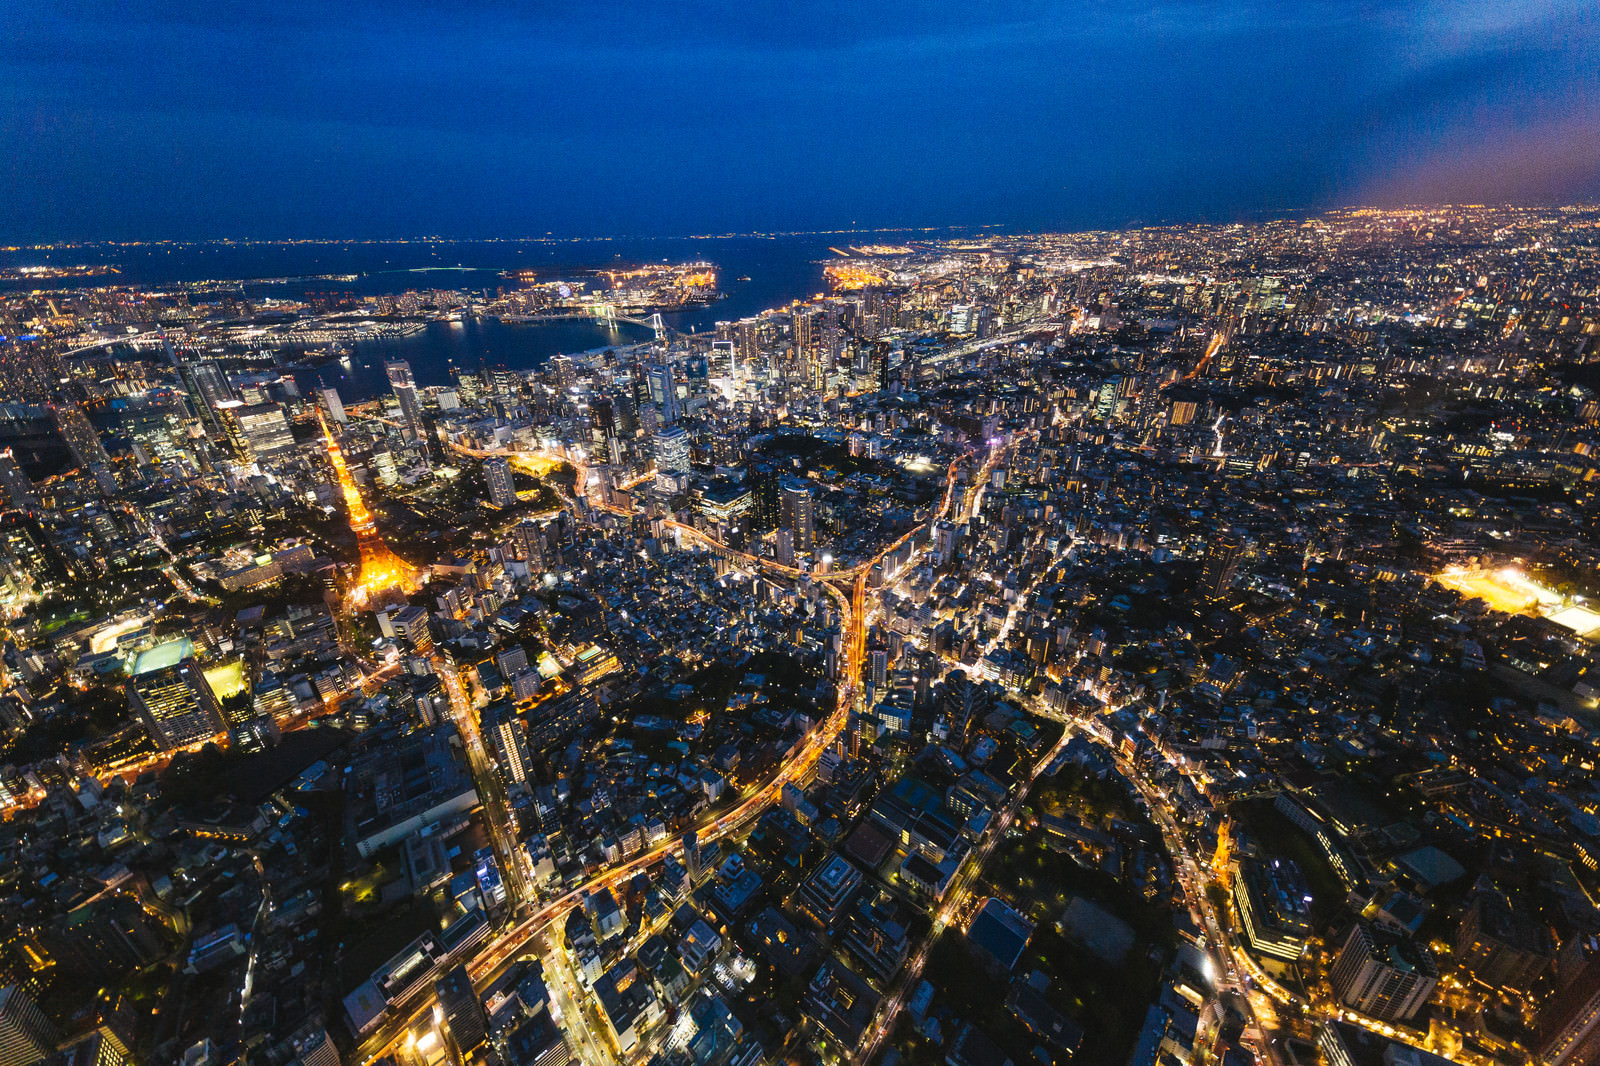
x: 1170, y: 646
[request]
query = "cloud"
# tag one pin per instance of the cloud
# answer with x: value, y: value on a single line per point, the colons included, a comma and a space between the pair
x: 1554, y: 161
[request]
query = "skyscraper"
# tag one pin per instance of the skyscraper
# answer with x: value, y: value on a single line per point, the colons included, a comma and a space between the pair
x: 663, y: 391
x: 508, y: 740
x: 19, y: 490
x: 84, y: 443
x: 259, y: 431
x: 405, y: 390
x: 797, y: 505
x: 207, y: 387
x: 169, y: 691
x: 1386, y: 976
x: 333, y: 405
x: 497, y: 473
x: 1222, y: 559
x: 26, y: 1035
x: 1567, y: 1032
x: 672, y: 450
x: 464, y: 1016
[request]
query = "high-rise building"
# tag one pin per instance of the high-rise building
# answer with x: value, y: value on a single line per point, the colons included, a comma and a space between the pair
x: 802, y: 320
x: 333, y: 405
x: 169, y: 691
x: 84, y: 443
x: 405, y: 390
x: 464, y: 1016
x: 878, y: 666
x: 1500, y: 946
x: 507, y: 740
x: 672, y: 450
x: 28, y: 555
x: 945, y: 538
x: 1384, y: 976
x: 19, y: 490
x: 95, y: 1048
x: 764, y: 497
x: 797, y: 513
x: 208, y: 388
x: 259, y: 431
x: 691, y: 855
x: 408, y: 625
x: 663, y: 391
x: 1567, y: 1032
x: 80, y: 435
x: 725, y: 357
x: 497, y: 473
x: 314, y: 1047
x: 1222, y: 559
x: 1274, y: 906
x: 26, y: 1035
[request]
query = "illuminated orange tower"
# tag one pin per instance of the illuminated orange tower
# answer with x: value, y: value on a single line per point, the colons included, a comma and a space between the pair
x: 381, y: 569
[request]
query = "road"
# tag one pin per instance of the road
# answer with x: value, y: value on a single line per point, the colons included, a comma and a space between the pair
x: 570, y: 1001
x: 498, y: 954
x: 949, y: 910
x: 501, y: 822
x: 1228, y: 958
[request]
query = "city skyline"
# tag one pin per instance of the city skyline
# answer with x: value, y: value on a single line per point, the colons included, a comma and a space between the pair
x: 1062, y: 533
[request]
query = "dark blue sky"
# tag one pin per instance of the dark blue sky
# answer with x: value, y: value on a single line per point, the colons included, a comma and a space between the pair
x: 357, y: 118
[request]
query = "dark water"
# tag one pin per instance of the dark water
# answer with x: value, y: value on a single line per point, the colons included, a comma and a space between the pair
x: 781, y: 269
x: 468, y: 345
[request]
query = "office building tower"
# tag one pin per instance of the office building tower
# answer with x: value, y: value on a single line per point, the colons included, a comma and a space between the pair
x: 207, y: 387
x: 464, y: 1016
x: 602, y: 422
x: 259, y: 432
x: 1222, y: 559
x: 497, y: 473
x: 314, y: 1047
x: 663, y: 391
x: 1502, y: 947
x: 725, y: 359
x: 1274, y: 906
x: 945, y: 538
x: 1567, y: 1032
x: 28, y: 555
x: 333, y: 405
x: 405, y: 390
x: 409, y: 626
x: 84, y: 443
x: 764, y: 497
x: 691, y: 855
x: 26, y: 1035
x: 1382, y: 975
x: 878, y: 666
x: 19, y: 490
x: 797, y: 517
x: 97, y: 1048
x: 672, y: 450
x: 169, y: 691
x: 507, y: 740
x: 802, y: 321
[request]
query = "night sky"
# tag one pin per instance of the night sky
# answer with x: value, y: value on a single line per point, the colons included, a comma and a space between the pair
x: 140, y: 119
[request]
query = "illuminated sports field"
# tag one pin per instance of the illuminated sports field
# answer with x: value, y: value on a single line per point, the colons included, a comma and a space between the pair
x: 1506, y: 590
